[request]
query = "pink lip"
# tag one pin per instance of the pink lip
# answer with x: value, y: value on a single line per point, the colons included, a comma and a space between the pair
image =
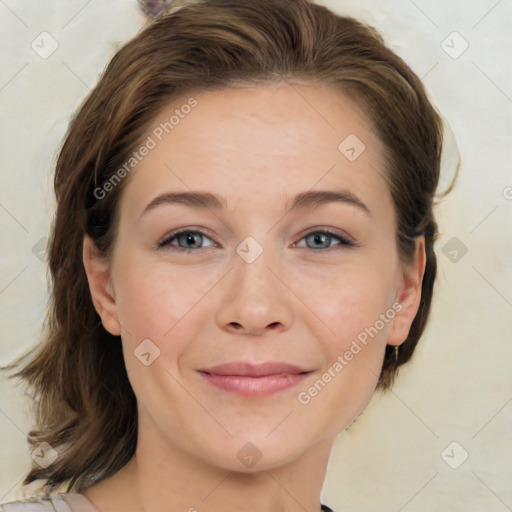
x: 254, y: 379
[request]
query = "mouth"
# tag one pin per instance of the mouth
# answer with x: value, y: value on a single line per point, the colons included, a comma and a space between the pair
x: 249, y: 379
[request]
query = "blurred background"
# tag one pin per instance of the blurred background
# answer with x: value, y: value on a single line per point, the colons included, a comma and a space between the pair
x: 442, y: 438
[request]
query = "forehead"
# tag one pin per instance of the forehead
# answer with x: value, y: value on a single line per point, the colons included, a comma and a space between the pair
x: 251, y: 144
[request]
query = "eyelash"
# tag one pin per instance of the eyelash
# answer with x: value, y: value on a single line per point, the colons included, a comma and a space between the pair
x: 166, y: 242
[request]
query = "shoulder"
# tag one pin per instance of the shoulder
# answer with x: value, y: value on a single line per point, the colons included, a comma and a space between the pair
x: 60, y: 502
x: 29, y: 505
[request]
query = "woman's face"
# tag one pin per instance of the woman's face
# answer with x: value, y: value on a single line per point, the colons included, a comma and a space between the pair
x: 255, y: 279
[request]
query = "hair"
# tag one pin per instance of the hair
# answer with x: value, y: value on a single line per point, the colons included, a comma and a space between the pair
x: 85, y: 406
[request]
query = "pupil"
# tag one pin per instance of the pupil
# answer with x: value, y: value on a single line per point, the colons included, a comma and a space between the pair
x: 190, y: 239
x: 320, y: 239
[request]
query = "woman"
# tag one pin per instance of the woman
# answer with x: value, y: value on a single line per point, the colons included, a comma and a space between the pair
x: 242, y: 253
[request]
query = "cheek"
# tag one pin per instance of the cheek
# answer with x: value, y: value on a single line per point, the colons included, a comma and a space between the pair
x: 162, y: 307
x: 360, y: 314
x: 347, y: 302
x: 153, y: 302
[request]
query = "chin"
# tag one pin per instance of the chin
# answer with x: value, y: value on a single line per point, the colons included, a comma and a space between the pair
x: 255, y: 451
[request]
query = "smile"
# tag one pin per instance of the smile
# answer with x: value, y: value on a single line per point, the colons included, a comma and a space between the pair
x: 254, y: 379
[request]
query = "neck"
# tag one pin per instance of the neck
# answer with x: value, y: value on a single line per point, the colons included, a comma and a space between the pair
x: 172, y: 480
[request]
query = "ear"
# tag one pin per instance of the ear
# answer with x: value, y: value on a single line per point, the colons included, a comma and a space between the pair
x: 408, y: 295
x: 102, y: 292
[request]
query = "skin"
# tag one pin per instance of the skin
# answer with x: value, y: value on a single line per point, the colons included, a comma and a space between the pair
x: 258, y: 147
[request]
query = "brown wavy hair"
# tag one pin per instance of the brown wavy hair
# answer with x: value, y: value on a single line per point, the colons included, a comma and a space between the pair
x: 85, y: 406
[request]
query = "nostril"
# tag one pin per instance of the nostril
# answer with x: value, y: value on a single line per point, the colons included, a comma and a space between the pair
x: 236, y: 326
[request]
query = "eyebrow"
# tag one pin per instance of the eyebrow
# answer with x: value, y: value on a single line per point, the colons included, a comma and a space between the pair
x: 203, y: 200
x: 304, y: 200
x: 315, y: 198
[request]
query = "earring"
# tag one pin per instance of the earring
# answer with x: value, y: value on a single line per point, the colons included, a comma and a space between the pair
x: 396, y: 354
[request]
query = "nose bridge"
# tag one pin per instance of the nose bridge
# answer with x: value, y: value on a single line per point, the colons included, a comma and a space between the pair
x: 254, y: 299
x: 251, y: 269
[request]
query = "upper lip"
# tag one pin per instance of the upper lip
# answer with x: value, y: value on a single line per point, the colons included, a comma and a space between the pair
x: 246, y: 369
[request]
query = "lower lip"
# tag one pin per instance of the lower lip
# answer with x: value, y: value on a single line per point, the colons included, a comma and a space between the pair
x: 254, y: 386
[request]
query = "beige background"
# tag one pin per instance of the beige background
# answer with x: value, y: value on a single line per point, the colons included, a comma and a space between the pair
x: 406, y: 452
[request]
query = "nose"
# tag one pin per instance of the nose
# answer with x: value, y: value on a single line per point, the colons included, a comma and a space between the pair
x: 255, y: 298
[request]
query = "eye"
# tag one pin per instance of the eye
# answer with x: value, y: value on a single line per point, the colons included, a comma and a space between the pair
x: 322, y: 239
x: 186, y: 240
x: 189, y: 241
